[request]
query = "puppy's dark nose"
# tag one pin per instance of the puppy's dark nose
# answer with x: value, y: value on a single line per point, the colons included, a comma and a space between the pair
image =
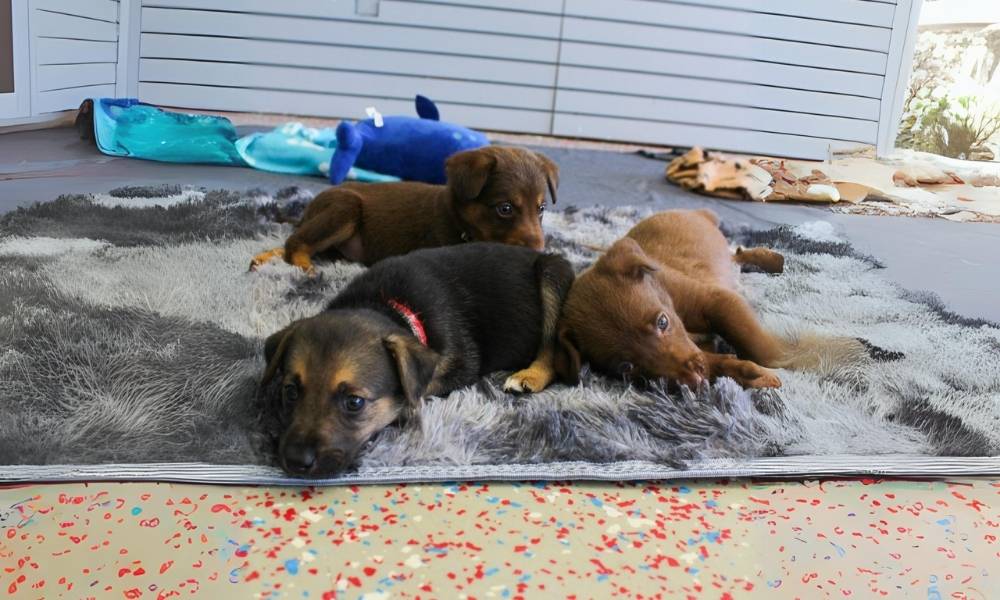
x: 299, y: 458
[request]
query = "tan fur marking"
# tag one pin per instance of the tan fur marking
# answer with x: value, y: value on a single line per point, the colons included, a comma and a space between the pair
x: 344, y: 374
x: 265, y: 257
x: 302, y: 260
x: 536, y: 377
x: 297, y: 368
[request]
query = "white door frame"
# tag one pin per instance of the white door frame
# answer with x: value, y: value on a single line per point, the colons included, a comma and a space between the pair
x: 18, y: 103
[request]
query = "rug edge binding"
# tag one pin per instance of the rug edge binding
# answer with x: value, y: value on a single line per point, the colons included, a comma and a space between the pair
x: 778, y: 468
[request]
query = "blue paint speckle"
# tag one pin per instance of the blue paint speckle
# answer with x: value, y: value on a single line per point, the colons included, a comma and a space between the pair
x: 136, y: 510
x: 596, y: 502
x: 840, y: 551
x: 292, y: 566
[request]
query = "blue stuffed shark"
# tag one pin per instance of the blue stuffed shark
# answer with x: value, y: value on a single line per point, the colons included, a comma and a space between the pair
x: 413, y: 149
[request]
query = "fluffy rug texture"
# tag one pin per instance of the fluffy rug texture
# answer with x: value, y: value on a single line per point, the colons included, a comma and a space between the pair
x: 131, y: 332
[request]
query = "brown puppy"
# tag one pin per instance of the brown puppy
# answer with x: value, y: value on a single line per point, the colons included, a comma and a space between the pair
x: 494, y: 194
x: 634, y: 311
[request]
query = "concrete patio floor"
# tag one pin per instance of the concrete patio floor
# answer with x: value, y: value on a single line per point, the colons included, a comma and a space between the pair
x: 956, y: 261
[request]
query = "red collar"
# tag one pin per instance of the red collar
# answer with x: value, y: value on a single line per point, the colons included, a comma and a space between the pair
x: 411, y: 318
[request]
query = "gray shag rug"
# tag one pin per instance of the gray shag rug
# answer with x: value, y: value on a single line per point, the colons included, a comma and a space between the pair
x: 131, y: 333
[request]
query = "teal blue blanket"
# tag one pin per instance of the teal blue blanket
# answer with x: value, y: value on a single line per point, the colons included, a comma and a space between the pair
x: 127, y: 127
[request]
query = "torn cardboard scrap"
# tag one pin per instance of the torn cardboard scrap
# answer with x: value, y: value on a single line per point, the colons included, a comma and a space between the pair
x: 716, y: 175
x: 759, y: 179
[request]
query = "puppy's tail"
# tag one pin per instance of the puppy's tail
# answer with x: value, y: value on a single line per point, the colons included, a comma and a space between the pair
x: 811, y: 352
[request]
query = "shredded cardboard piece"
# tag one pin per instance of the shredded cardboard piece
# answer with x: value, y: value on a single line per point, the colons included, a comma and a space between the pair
x: 914, y: 184
x: 759, y: 179
x: 720, y: 176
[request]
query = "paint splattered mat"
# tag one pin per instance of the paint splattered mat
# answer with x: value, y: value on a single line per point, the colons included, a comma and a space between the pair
x: 843, y: 539
x: 131, y: 347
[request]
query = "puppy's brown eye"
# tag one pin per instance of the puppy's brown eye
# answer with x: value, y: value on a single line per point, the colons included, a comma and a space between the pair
x: 626, y: 368
x: 291, y: 392
x: 505, y: 209
x: 662, y: 322
x: 354, y: 404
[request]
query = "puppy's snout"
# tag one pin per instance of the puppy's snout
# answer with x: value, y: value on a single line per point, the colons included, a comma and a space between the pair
x: 535, y: 242
x: 299, y: 458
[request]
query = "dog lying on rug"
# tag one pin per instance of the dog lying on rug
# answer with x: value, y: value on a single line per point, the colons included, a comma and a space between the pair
x: 635, y: 312
x: 418, y: 325
x: 493, y: 194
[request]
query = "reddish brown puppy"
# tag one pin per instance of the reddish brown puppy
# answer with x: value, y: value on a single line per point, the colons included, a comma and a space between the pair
x: 638, y: 310
x: 493, y: 194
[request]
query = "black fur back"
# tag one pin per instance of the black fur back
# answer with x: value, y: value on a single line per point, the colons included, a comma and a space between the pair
x: 479, y: 302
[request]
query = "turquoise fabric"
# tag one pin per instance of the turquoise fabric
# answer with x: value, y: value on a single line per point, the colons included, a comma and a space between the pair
x: 296, y: 149
x: 127, y: 127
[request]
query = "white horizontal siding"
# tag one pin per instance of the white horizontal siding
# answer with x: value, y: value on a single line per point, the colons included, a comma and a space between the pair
x: 718, y: 68
x: 66, y: 52
x: 58, y: 77
x: 47, y: 24
x: 861, y: 12
x: 713, y: 43
x: 98, y: 10
x: 74, y: 52
x: 726, y: 20
x: 69, y: 99
x: 679, y: 134
x: 334, y: 105
x: 462, y: 18
x: 715, y: 115
x: 784, y: 77
x: 501, y: 68
x: 345, y: 82
x: 365, y: 60
x: 359, y: 33
x: 709, y: 92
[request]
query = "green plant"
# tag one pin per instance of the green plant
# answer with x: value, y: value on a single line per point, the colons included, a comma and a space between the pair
x: 964, y: 126
x: 920, y: 123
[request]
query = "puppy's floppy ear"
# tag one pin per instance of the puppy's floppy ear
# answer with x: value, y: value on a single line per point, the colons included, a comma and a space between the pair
x: 468, y: 172
x: 415, y: 364
x: 551, y: 174
x: 274, y: 351
x: 567, y: 357
x: 627, y: 259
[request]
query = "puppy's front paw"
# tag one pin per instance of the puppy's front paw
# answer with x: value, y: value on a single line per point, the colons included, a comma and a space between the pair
x: 532, y: 379
x: 266, y: 257
x: 767, y: 379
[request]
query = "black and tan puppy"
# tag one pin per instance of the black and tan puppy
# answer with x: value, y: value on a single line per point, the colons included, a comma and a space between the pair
x: 417, y: 325
x: 493, y: 194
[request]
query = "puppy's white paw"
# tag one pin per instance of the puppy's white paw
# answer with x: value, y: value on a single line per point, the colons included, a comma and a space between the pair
x: 532, y: 379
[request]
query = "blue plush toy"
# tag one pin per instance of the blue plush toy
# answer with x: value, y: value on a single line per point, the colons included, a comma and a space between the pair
x: 410, y: 148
